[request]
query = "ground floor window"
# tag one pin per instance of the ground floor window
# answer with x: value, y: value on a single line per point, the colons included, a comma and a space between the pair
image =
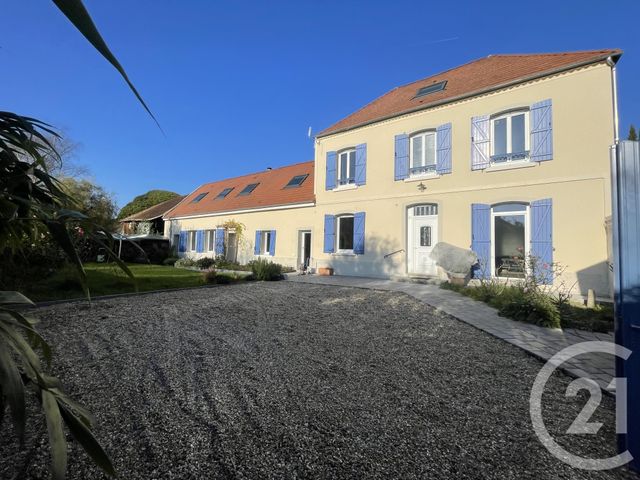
x: 510, y: 239
x: 345, y: 233
x: 265, y: 248
x: 192, y: 241
x: 210, y: 239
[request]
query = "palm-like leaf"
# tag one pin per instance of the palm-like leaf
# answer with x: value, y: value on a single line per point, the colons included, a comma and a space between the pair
x: 77, y: 14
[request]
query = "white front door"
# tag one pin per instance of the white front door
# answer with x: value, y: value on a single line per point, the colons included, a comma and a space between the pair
x: 422, y: 236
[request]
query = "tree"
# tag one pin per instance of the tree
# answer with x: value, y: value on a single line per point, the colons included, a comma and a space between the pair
x: 632, y: 133
x: 146, y: 200
x: 63, y: 163
x: 91, y: 200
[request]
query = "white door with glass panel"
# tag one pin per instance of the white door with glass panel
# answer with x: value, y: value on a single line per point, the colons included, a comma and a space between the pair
x: 422, y: 235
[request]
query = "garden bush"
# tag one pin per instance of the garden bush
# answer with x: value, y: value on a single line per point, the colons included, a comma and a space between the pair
x: 185, y: 262
x: 205, y: 263
x: 265, y: 270
x: 217, y: 278
x: 170, y: 261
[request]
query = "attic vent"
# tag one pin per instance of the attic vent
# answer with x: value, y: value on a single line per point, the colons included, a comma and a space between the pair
x: 436, y: 87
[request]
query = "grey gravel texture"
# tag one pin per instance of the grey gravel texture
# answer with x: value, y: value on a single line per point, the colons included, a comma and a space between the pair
x: 286, y: 380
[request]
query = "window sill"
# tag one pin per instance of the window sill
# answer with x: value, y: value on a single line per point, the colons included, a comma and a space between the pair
x: 510, y: 166
x: 348, y: 186
x: 344, y: 253
x: 419, y: 178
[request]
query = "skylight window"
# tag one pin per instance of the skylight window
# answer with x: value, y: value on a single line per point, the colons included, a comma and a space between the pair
x: 225, y: 192
x: 248, y: 189
x: 296, y: 181
x: 436, y: 87
x: 199, y: 197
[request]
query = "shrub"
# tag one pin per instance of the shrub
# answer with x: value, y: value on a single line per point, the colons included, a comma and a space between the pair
x: 170, y: 261
x: 531, y: 307
x: 205, y: 263
x: 185, y: 262
x: 266, y: 270
x: 214, y: 277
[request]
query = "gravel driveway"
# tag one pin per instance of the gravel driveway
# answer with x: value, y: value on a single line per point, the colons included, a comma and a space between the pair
x: 288, y: 380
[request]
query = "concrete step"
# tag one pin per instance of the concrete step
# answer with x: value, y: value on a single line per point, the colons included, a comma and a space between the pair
x: 424, y: 280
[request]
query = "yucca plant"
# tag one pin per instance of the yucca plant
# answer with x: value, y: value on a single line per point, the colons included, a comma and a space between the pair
x: 32, y: 203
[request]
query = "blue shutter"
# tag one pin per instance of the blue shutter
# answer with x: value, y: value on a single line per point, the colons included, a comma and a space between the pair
x: 200, y: 241
x: 256, y: 247
x: 361, y: 164
x: 219, y: 241
x: 480, y: 142
x: 329, y: 233
x: 330, y: 181
x: 401, y: 167
x: 182, y: 244
x: 443, y: 151
x: 358, y: 233
x: 481, y: 238
x: 541, y: 132
x: 272, y: 243
x: 541, y: 238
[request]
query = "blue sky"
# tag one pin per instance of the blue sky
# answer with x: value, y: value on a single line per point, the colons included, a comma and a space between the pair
x: 236, y: 85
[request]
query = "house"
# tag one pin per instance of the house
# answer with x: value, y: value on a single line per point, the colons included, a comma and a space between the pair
x: 149, y: 220
x: 267, y: 214
x: 507, y: 155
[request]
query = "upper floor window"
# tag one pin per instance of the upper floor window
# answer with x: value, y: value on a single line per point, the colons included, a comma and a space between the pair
x: 296, y: 181
x: 199, y: 197
x: 347, y: 167
x: 225, y: 192
x: 423, y: 153
x: 248, y: 189
x: 510, y: 138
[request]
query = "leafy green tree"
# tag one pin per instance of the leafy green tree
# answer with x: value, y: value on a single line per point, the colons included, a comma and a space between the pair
x: 146, y: 200
x: 633, y: 135
x: 91, y: 200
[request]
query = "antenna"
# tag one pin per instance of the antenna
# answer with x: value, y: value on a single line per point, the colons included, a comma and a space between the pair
x: 309, y: 132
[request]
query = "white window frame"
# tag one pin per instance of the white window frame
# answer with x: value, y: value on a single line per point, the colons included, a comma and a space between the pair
x: 192, y: 240
x: 350, y: 174
x: 265, y: 242
x: 412, y: 165
x: 210, y: 240
x: 527, y: 238
x: 527, y: 147
x: 338, y: 218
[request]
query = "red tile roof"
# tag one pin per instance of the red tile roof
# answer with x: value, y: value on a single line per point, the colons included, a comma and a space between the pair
x: 155, y: 211
x: 270, y: 192
x: 473, y: 78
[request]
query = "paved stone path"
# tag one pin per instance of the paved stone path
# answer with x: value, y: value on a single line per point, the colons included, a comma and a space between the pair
x: 538, y: 341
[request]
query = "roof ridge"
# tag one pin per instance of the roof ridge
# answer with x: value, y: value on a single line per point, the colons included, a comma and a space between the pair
x: 556, y: 54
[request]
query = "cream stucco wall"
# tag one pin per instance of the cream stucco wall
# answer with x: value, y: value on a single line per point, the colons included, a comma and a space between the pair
x: 287, y: 223
x: 577, y: 179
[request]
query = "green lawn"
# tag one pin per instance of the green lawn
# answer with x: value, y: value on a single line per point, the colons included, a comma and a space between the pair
x: 108, y: 279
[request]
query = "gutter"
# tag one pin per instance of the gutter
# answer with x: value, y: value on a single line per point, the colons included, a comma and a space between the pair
x: 285, y: 206
x: 614, y: 93
x: 475, y: 93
